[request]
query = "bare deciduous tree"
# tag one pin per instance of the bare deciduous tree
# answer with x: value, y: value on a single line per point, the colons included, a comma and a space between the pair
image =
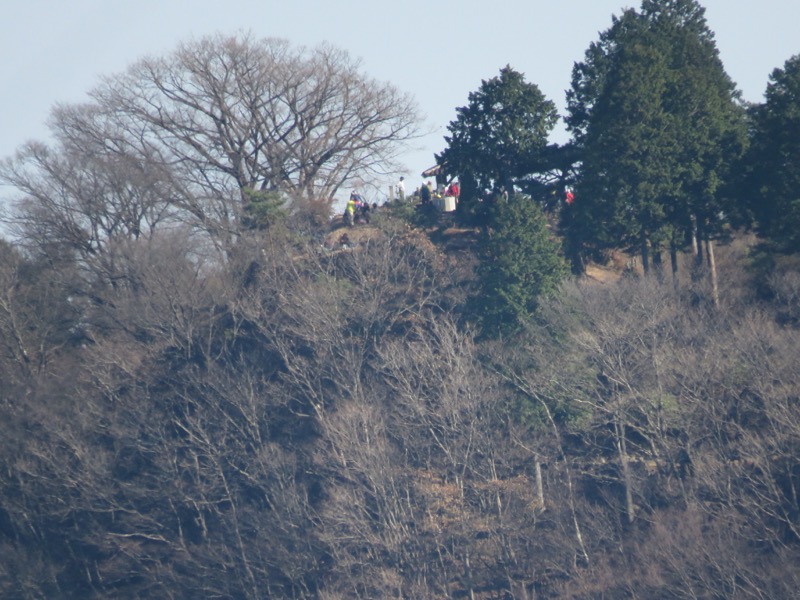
x: 190, y: 134
x: 79, y: 202
x: 236, y: 113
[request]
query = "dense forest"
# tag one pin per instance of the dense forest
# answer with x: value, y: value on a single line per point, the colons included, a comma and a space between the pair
x: 209, y: 389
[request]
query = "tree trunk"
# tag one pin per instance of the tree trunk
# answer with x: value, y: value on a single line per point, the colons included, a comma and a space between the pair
x: 698, y: 237
x: 468, y: 576
x: 622, y: 450
x: 539, y: 484
x: 712, y: 265
x: 658, y: 263
x: 645, y: 254
x: 673, y: 260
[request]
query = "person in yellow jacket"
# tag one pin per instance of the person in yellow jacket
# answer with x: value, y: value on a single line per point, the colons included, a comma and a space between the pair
x: 350, y: 211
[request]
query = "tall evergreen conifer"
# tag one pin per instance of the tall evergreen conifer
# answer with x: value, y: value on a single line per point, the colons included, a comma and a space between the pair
x: 494, y: 139
x: 774, y: 190
x: 659, y: 124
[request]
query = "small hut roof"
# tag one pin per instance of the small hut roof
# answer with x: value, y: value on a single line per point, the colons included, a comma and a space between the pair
x: 434, y: 170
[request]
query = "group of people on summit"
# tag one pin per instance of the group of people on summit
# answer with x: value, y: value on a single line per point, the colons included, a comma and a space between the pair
x: 427, y: 193
x: 359, y: 210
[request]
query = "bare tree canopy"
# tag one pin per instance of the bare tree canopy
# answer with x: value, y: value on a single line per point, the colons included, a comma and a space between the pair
x: 225, y: 114
x: 261, y: 114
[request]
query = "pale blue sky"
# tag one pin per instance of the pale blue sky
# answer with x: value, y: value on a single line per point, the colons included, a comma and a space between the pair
x: 438, y: 50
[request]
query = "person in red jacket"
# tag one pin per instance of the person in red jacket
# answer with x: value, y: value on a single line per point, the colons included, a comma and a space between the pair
x: 452, y: 190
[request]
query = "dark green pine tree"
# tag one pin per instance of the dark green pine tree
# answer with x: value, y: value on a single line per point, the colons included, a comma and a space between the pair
x: 629, y: 155
x: 774, y: 159
x: 521, y: 262
x: 710, y: 122
x: 658, y: 123
x: 502, y: 130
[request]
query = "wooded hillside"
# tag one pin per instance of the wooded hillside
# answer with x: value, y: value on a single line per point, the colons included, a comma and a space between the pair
x: 308, y: 422
x: 209, y: 390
